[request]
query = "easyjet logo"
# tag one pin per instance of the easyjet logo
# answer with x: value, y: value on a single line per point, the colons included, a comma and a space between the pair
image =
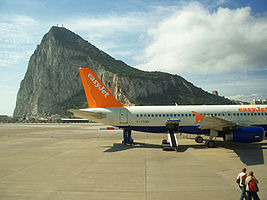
x: 98, y: 85
x: 253, y: 110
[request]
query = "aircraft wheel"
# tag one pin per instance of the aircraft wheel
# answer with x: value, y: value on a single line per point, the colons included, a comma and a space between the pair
x: 199, y: 139
x: 210, y: 143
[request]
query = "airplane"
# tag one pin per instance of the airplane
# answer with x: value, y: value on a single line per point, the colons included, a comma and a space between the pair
x: 237, y: 123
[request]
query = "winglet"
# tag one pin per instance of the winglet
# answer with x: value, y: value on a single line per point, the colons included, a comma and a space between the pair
x: 198, y: 116
x: 98, y: 96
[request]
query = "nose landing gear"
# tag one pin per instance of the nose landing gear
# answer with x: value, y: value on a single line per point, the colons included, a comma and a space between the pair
x: 127, y: 137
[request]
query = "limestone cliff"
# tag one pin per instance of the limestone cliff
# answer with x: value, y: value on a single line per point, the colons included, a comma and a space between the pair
x: 52, y: 83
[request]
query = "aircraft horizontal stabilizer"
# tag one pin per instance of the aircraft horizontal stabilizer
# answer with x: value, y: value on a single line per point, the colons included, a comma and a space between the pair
x: 86, y: 114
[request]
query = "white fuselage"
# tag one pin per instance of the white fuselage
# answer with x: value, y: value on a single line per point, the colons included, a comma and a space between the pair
x: 154, y: 117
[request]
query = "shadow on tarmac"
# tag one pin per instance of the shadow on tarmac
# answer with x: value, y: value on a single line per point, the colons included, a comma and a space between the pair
x: 249, y: 153
x: 120, y: 147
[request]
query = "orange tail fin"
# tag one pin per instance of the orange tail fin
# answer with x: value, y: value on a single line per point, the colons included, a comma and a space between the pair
x: 98, y: 96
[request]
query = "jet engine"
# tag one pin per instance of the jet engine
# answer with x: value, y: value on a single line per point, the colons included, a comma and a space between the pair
x: 247, y: 134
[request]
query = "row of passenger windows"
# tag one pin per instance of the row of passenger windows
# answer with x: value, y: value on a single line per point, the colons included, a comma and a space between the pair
x: 191, y: 115
x: 164, y: 115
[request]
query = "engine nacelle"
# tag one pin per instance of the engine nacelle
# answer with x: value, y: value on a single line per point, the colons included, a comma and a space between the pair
x: 247, y: 134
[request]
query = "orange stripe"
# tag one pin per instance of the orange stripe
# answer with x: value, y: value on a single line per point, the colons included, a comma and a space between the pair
x: 198, y: 116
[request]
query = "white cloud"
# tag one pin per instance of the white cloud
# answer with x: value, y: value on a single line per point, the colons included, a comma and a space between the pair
x: 195, y: 40
x: 120, y: 35
x: 18, y: 37
x: 112, y: 27
x: 102, y: 25
x: 17, y: 28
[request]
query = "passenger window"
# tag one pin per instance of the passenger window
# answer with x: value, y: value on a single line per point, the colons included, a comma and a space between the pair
x: 185, y: 115
x: 159, y: 115
x: 182, y: 115
x: 178, y: 115
x: 245, y: 114
x: 137, y: 115
x: 152, y: 115
x: 144, y: 115
x: 229, y: 114
x: 141, y: 115
x: 174, y: 115
x: 163, y: 115
x: 148, y: 115
x: 189, y: 115
x: 219, y: 115
x: 193, y: 115
x: 170, y: 115
x: 259, y: 114
x: 156, y: 115
x: 241, y: 114
x: 237, y: 114
x: 167, y: 115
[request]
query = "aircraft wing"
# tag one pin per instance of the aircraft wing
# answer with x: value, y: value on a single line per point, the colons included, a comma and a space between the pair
x: 214, y: 123
x: 86, y: 114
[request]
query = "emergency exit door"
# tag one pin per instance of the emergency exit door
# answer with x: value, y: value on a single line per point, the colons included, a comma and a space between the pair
x: 123, y: 116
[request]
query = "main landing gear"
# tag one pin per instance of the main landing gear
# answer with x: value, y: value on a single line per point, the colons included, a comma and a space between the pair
x: 127, y: 137
x: 209, y: 143
x: 199, y: 139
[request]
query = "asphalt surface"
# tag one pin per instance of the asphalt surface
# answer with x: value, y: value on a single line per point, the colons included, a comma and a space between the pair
x: 79, y: 161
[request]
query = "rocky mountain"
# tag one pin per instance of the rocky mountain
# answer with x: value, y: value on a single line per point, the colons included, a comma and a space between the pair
x: 52, y: 82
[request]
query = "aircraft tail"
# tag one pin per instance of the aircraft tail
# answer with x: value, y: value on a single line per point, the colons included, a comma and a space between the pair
x: 98, y: 96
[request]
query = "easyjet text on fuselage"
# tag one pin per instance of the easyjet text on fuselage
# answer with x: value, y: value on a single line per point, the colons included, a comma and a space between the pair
x: 253, y: 110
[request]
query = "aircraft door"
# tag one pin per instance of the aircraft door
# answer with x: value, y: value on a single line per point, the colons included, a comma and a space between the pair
x: 123, y: 116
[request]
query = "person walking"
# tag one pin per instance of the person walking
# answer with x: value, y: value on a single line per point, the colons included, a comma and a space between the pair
x: 240, y: 180
x: 252, y: 187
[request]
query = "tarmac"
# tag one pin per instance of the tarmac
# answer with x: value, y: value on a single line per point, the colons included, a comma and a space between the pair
x: 80, y: 161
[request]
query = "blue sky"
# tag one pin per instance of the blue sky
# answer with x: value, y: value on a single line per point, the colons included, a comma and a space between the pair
x: 217, y: 45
